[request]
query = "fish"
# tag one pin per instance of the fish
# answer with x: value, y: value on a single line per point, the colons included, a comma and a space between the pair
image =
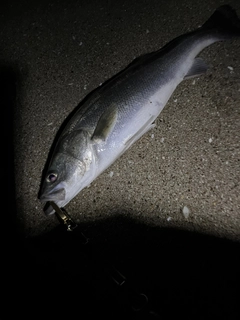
x: 115, y: 115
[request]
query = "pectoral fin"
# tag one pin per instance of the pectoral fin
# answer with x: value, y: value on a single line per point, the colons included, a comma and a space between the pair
x: 198, y: 67
x: 105, y: 125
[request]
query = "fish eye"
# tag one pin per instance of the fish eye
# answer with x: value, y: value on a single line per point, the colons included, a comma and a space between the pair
x: 52, y: 176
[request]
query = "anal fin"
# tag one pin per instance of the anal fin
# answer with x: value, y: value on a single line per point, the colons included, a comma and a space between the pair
x: 198, y: 68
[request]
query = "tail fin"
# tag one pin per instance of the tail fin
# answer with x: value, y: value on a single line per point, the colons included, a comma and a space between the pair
x: 225, y: 21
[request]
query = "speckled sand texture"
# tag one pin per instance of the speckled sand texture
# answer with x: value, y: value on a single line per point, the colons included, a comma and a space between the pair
x: 182, y: 174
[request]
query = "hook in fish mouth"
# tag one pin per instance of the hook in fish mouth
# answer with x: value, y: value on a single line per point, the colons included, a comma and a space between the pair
x: 48, y: 209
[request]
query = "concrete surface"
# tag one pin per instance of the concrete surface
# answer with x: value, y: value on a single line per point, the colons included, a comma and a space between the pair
x: 58, y: 51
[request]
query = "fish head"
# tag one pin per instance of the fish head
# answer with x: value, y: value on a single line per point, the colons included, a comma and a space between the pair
x: 69, y: 169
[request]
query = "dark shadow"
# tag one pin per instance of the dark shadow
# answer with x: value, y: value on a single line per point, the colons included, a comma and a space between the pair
x: 11, y: 90
x: 9, y: 76
x: 127, y: 269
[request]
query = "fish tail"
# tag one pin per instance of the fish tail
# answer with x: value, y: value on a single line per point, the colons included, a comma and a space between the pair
x: 225, y: 22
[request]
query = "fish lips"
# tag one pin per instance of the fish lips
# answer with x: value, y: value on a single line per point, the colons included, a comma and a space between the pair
x: 55, y: 195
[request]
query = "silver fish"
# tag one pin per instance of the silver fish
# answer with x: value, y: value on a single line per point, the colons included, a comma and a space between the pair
x: 118, y: 113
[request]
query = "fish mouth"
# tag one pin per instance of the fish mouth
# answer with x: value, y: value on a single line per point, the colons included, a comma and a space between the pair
x: 55, y: 195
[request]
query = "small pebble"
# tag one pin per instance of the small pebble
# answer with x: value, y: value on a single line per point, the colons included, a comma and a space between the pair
x: 186, y: 212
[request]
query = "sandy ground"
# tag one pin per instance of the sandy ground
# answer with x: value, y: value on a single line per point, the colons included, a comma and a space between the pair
x: 55, y: 52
